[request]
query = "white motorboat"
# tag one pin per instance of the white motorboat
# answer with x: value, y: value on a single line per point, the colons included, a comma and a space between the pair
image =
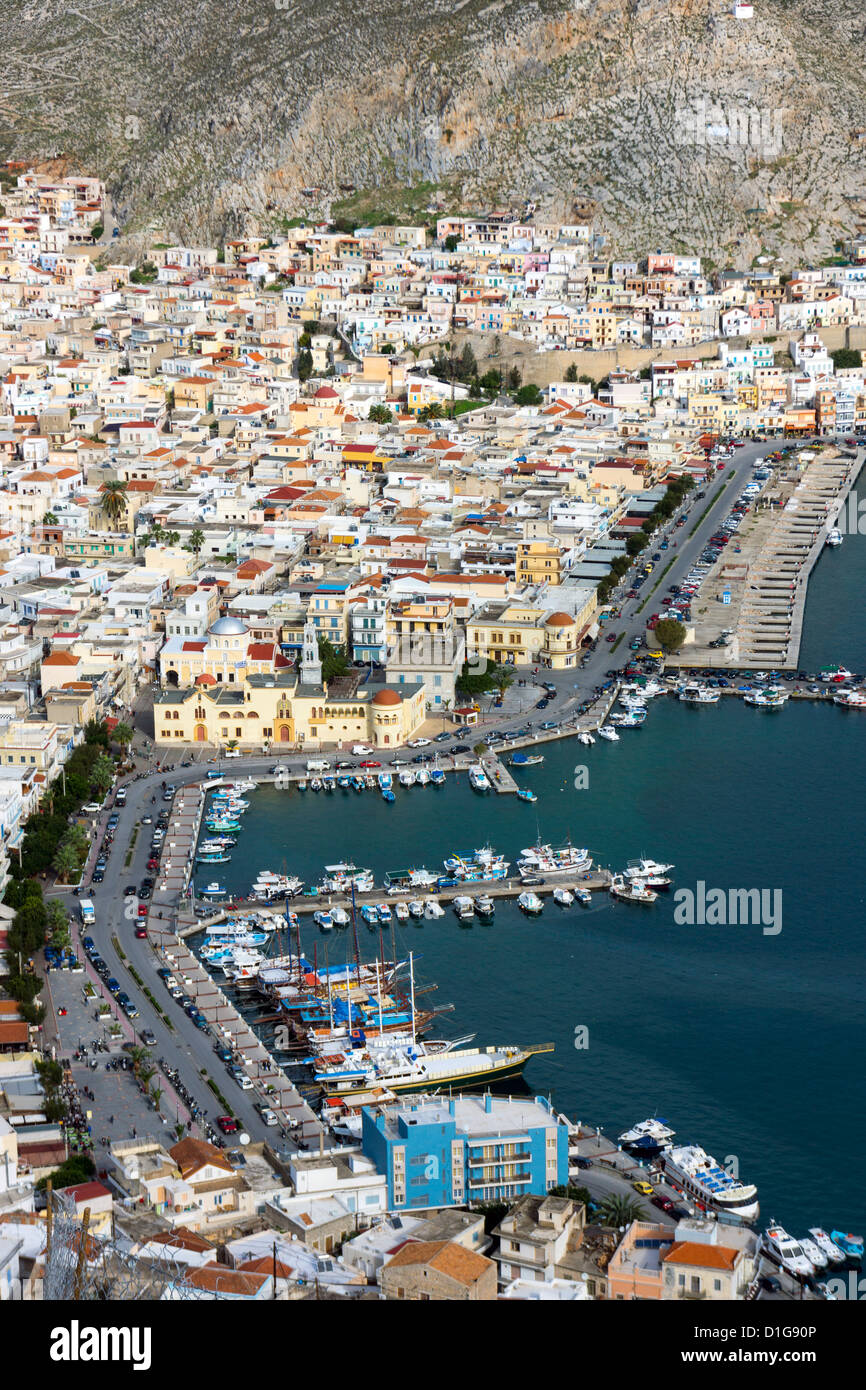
x: 563, y: 897
x: 401, y: 912
x: 432, y: 909
x: 584, y: 737
x: 610, y: 734
x: 646, y: 868
x: 340, y: 917
x: 813, y: 1252
x: 530, y: 904
x: 829, y: 1249
x: 464, y: 907
x: 834, y: 536
x: 784, y: 1250
x: 649, y: 1137
x: 478, y: 779
x: 771, y: 698
x: 416, y: 907
x: 851, y: 699
x: 422, y: 777
x: 485, y: 906
x: 584, y: 897
x: 213, y: 890
x: 323, y: 919
x: 407, y: 779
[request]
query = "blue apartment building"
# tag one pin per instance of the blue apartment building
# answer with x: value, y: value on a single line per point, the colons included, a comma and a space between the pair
x: 441, y: 1152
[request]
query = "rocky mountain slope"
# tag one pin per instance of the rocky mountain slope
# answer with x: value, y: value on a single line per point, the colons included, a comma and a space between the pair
x: 682, y: 124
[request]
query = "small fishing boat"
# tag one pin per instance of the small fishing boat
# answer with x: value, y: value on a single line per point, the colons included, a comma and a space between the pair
x: 813, y: 1252
x: 437, y: 777
x: 631, y: 890
x: 530, y: 904
x: 388, y: 796
x: 851, y: 1246
x: 584, y: 737
x: 432, y: 909
x: 485, y: 906
x: 323, y: 919
x: 610, y: 734
x: 401, y: 912
x: 302, y: 785
x: 385, y: 781
x: 212, y: 857
x: 563, y: 897
x: 340, y: 916
x: 526, y: 759
x: 316, y: 784
x: 422, y: 777
x: 329, y: 783
x: 524, y: 794
x: 383, y: 912
x: 834, y: 536
x: 416, y: 907
x: 370, y: 915
x: 213, y: 890
x: 464, y: 907
x: 584, y: 897
x: 407, y: 779
x: 828, y: 1247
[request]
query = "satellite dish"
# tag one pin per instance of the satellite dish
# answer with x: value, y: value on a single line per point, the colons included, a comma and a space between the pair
x: 244, y: 1138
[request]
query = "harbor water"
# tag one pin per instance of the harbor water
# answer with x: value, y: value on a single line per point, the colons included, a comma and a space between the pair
x: 744, y: 1038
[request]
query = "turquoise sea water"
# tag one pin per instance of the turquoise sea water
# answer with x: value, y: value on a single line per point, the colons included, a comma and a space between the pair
x: 748, y: 1043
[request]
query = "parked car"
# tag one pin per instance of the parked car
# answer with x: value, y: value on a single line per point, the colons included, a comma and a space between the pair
x: 370, y: 762
x: 227, y: 1124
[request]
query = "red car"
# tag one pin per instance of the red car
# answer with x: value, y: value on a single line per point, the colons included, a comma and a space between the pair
x: 611, y: 637
x: 141, y: 932
x: 666, y: 602
x: 369, y: 762
x: 227, y: 1125
x: 153, y: 863
x: 663, y: 1203
x: 142, y: 909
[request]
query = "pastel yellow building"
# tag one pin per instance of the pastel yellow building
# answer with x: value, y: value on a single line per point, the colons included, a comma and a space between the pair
x: 519, y: 635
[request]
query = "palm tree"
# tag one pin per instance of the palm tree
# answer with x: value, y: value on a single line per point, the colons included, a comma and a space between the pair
x: 196, y: 540
x: 122, y: 734
x: 138, y: 1055
x: 114, y: 500
x: 49, y: 519
x: 102, y: 775
x: 156, y: 1094
x: 620, y: 1210
x: 65, y: 862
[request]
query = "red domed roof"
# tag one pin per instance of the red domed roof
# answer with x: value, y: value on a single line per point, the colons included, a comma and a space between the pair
x: 386, y: 697
x: 325, y: 393
x: 559, y: 620
x: 205, y: 679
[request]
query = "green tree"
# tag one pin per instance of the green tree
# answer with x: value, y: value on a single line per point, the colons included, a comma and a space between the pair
x: 114, y: 500
x: 571, y: 372
x: 305, y: 364
x: 451, y: 242
x: 528, y: 395
x: 49, y: 519
x: 620, y: 1210
x: 847, y: 357
x: 196, y: 539
x: 102, y: 775
x: 122, y: 733
x: 334, y: 661
x: 433, y: 411
x: 57, y: 924
x: 380, y: 415
x: 670, y: 633
x: 66, y: 862
x: 635, y: 544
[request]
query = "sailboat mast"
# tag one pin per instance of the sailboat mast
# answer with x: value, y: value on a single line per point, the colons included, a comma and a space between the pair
x: 379, y: 996
x: 354, y: 939
x: 412, y: 991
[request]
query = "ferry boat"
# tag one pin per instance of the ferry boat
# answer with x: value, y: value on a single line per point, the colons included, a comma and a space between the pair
x: 691, y: 1168
x: 478, y: 779
x: 632, y: 890
x: 785, y: 1251
x: 485, y: 906
x: 829, y: 1249
x: 834, y: 537
x: 605, y: 731
x: 696, y: 694
x: 544, y: 859
x: 464, y: 907
x: 563, y: 897
x: 649, y: 1137
x: 526, y: 759
x: 530, y: 904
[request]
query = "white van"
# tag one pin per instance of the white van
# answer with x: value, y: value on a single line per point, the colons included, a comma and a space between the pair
x: 318, y: 765
x: 88, y: 916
